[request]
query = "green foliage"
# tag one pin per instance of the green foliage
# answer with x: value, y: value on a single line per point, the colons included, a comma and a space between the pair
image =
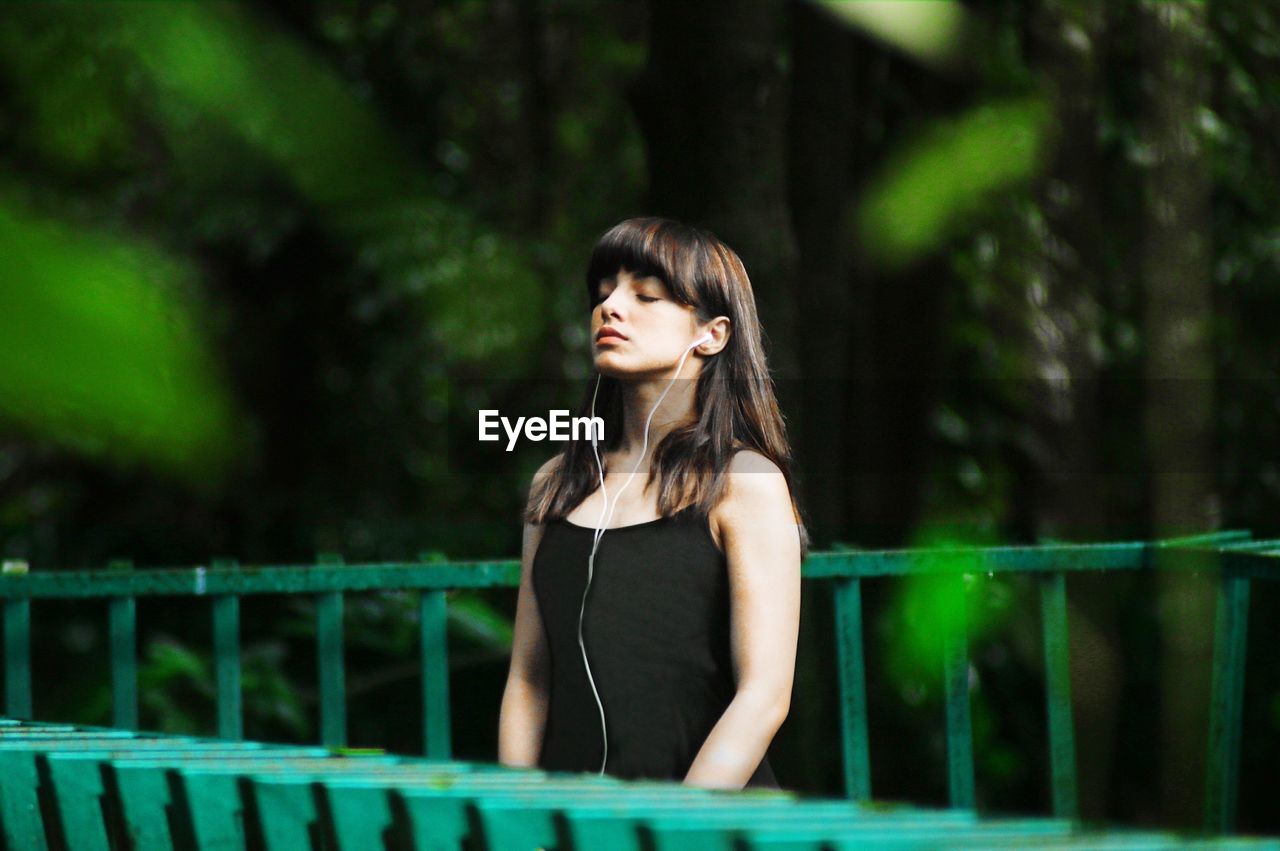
x: 273, y: 705
x: 937, y: 185
x: 928, y: 32
x: 952, y: 594
x: 170, y: 675
x: 270, y: 92
x: 100, y: 349
x: 224, y: 92
x: 479, y: 629
x: 480, y: 297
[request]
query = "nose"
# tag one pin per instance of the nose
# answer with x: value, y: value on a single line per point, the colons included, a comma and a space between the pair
x: 609, y: 306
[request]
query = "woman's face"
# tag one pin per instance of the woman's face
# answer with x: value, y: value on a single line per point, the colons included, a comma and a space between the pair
x: 638, y: 329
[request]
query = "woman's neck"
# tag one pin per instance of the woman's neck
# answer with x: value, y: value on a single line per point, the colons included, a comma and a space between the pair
x: 678, y: 406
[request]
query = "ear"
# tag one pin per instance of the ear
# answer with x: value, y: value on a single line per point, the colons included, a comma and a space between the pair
x: 719, y: 329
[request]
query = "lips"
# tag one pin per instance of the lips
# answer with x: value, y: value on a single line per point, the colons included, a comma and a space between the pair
x: 607, y: 333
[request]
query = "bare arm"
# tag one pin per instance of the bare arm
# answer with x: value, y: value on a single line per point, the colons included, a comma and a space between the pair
x: 523, y: 715
x: 762, y: 547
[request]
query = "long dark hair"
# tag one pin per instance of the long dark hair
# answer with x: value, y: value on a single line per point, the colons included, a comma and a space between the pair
x: 735, y: 403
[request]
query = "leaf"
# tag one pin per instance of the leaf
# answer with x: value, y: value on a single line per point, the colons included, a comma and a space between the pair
x: 929, y: 32
x: 99, y: 350
x: 475, y: 619
x: 940, y: 183
x: 478, y: 291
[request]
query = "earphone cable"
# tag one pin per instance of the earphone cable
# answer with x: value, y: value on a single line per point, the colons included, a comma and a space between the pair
x: 607, y: 514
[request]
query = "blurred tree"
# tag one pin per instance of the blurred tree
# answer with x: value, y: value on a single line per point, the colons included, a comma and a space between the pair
x: 711, y: 103
x: 1059, y: 253
x: 823, y: 139
x: 1177, y: 305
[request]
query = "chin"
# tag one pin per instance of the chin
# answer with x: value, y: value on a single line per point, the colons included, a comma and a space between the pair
x: 611, y: 365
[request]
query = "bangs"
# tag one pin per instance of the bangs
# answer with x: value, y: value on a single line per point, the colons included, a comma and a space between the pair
x: 645, y: 247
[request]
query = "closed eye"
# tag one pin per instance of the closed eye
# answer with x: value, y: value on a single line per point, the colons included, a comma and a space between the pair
x: 648, y: 298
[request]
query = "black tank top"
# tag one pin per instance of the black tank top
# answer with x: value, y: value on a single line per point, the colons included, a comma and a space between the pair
x: 656, y: 630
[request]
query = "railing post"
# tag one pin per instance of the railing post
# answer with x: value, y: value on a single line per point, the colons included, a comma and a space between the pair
x: 17, y: 650
x: 226, y: 657
x: 123, y: 626
x: 847, y: 597
x: 1057, y: 669
x: 955, y: 665
x: 329, y: 650
x: 1227, y: 706
x: 433, y: 624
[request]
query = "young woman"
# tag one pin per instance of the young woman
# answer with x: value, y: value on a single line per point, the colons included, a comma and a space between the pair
x: 664, y: 646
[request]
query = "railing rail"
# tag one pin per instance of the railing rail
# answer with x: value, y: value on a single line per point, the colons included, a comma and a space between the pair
x: 1231, y: 555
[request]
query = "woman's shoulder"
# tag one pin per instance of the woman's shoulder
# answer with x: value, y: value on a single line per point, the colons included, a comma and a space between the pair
x: 547, y: 469
x: 755, y: 490
x: 746, y: 460
x: 538, y: 485
x: 755, y: 484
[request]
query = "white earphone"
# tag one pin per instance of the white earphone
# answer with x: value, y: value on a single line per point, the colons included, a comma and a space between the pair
x: 606, y: 514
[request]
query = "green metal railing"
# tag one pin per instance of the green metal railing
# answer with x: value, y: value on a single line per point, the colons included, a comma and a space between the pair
x: 1232, y: 556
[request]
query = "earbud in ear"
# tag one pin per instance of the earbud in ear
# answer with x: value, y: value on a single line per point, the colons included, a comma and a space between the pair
x: 705, y: 338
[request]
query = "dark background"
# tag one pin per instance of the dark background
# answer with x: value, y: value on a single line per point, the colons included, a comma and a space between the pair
x: 1017, y: 264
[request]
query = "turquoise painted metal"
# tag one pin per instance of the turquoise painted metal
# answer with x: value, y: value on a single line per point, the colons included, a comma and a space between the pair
x: 63, y: 786
x: 286, y: 804
x: 226, y: 659
x: 1062, y: 740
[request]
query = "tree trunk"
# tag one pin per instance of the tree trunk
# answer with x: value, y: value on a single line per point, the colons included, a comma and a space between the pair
x: 897, y: 322
x: 822, y: 135
x: 821, y: 130
x: 1178, y: 372
x: 1062, y: 328
x: 711, y: 107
